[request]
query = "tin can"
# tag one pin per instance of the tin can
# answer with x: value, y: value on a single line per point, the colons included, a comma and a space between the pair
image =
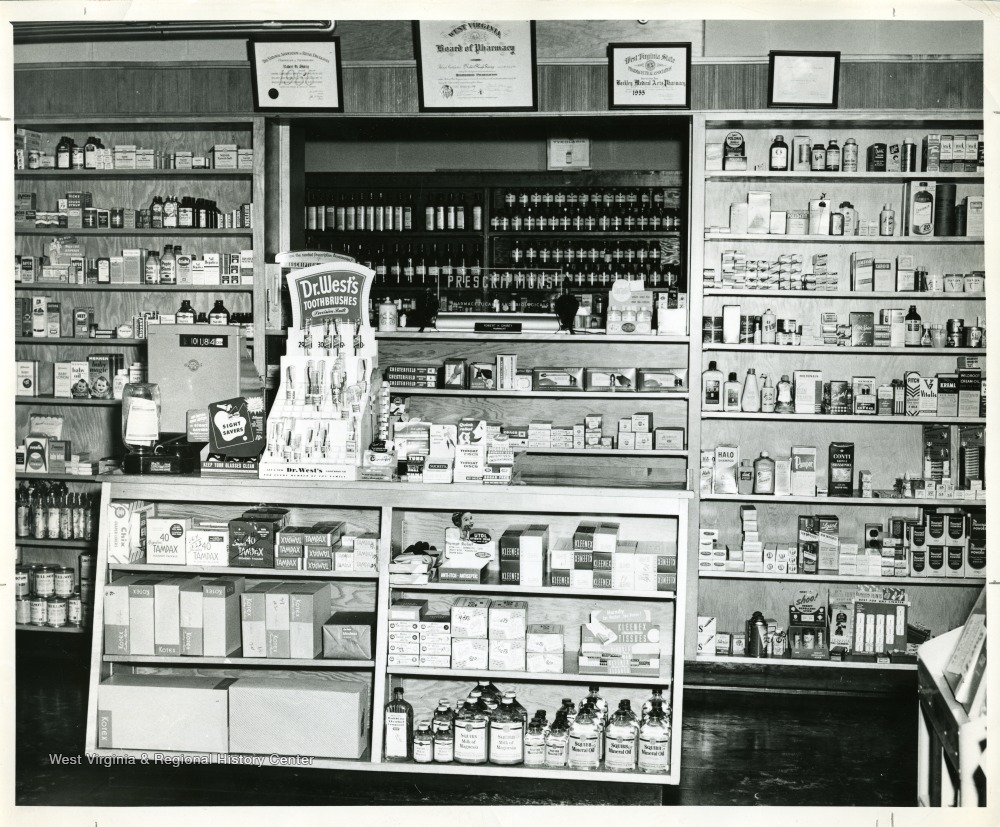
x: 56, y: 612
x: 973, y: 337
x: 44, y: 582
x: 22, y: 611
x: 34, y: 159
x: 39, y: 611
x: 974, y: 282
x: 63, y: 581
x: 22, y: 588
x: 908, y: 160
x: 954, y: 283
x: 74, y: 610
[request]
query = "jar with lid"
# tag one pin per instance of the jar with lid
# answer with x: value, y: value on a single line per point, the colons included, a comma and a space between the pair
x: 833, y: 156
x: 64, y: 153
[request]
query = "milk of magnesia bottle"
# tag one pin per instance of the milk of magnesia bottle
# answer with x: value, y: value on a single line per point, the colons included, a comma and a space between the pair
x: 168, y: 265
x: 711, y: 388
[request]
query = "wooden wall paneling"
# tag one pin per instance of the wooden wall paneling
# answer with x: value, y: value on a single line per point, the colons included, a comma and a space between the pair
x: 573, y: 88
x: 583, y: 39
x: 96, y: 430
x: 624, y: 471
x: 380, y: 89
x: 728, y: 85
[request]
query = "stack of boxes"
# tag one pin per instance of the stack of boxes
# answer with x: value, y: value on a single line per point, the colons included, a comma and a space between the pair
x: 403, y: 643
x: 523, y: 550
x: 620, y: 642
x: 508, y: 627
x: 544, y: 648
x: 435, y: 641
x: 470, y: 625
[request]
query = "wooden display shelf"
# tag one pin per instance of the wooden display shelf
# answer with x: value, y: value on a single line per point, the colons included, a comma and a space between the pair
x: 853, y: 351
x: 581, y: 337
x: 844, y: 578
x: 844, y: 294
x: 565, y: 395
x: 861, y: 240
x: 534, y: 773
x: 494, y: 586
x: 59, y: 400
x: 165, y: 232
x: 544, y: 677
x: 65, y: 630
x: 868, y: 420
x: 220, y: 571
x: 860, y: 176
x: 138, y: 174
x: 31, y: 541
x: 871, y: 502
x: 135, y: 288
x: 81, y: 342
x: 799, y: 663
x: 94, y: 478
x: 238, y: 660
x: 599, y: 452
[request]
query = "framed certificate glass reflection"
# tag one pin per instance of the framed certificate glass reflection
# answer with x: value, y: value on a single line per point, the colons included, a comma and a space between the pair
x: 808, y: 80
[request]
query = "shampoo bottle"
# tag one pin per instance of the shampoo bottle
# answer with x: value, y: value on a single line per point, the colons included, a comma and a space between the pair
x: 711, y: 389
x: 731, y: 394
x: 763, y: 474
x: 750, y: 399
x: 767, y: 394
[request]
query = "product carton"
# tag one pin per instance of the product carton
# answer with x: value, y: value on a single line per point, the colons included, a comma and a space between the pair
x: 166, y: 540
x: 221, y: 608
x: 310, y: 715
x: 142, y: 616
x: 727, y: 460
x: 808, y: 391
x: 803, y: 471
x: 508, y: 619
x: 470, y: 653
x: 507, y: 655
x: 545, y: 637
x: 167, y: 616
x: 841, y: 469
x: 308, y: 608
x: 116, y: 615
x: 253, y: 614
x: 163, y: 712
x: 470, y: 617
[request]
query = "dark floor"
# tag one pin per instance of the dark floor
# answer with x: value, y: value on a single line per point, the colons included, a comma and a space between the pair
x: 738, y: 748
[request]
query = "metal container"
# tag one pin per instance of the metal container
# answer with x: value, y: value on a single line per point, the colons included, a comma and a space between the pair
x: 44, y: 585
x: 56, y: 612
x: 63, y: 581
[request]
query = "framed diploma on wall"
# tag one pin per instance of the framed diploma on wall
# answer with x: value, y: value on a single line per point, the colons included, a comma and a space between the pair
x: 476, y: 65
x: 649, y: 75
x: 297, y: 72
x: 809, y: 80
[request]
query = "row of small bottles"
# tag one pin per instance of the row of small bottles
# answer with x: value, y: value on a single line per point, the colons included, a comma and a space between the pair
x: 719, y: 394
x: 219, y: 314
x: 185, y: 212
x: 606, y: 210
x: 492, y: 727
x: 822, y: 158
x: 380, y: 213
x: 71, y: 155
x: 576, y: 252
x: 52, y: 512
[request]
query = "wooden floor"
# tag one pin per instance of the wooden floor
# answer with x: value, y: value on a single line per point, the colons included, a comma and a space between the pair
x: 739, y: 748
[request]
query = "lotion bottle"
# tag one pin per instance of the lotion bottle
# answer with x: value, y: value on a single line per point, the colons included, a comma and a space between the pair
x: 750, y: 399
x: 711, y: 389
x: 768, y: 395
x: 731, y: 394
x: 763, y: 474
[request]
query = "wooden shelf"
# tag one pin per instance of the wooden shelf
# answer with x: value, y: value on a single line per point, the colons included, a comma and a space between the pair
x: 912, y: 351
x: 94, y: 478
x: 166, y: 232
x: 822, y: 177
x: 93, y: 344
x: 65, y: 630
x: 58, y: 400
x: 564, y: 395
x: 533, y: 773
x: 137, y: 174
x: 860, y: 240
x: 581, y: 337
x: 853, y: 295
x: 796, y: 663
x: 31, y: 541
x: 220, y: 571
x: 494, y: 586
x: 237, y: 660
x: 599, y: 452
x: 868, y: 420
x: 545, y: 677
x: 873, y: 502
x: 136, y: 288
x: 845, y: 578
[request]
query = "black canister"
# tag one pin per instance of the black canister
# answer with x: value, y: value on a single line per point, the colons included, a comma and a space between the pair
x: 960, y: 217
x: 756, y: 645
x: 944, y: 210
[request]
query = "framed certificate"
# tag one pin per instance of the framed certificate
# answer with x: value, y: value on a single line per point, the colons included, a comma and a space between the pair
x: 297, y: 72
x: 803, y: 79
x: 649, y: 75
x: 465, y: 65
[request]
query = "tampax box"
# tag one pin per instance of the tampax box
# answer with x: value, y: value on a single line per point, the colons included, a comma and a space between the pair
x: 163, y: 712
x: 841, y: 469
x: 470, y: 617
x: 508, y: 619
x: 221, y: 610
x: 304, y: 715
x: 166, y: 540
x: 470, y: 653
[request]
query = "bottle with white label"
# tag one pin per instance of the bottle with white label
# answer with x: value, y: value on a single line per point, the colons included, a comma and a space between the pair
x: 398, y: 738
x: 584, y: 740
x: 913, y: 329
x: 557, y: 741
x: 750, y: 398
x: 152, y: 271
x: 887, y: 221
x: 506, y: 735
x: 768, y: 395
x: 778, y: 159
x: 168, y: 265
x: 218, y: 314
x: 731, y: 394
x: 711, y: 388
x: 622, y: 739
x: 654, y: 740
x: 534, y: 742
x: 423, y: 743
x: 471, y: 735
x: 186, y: 313
x: 768, y: 327
x: 443, y: 728
x: 603, y: 712
x: 922, y: 217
